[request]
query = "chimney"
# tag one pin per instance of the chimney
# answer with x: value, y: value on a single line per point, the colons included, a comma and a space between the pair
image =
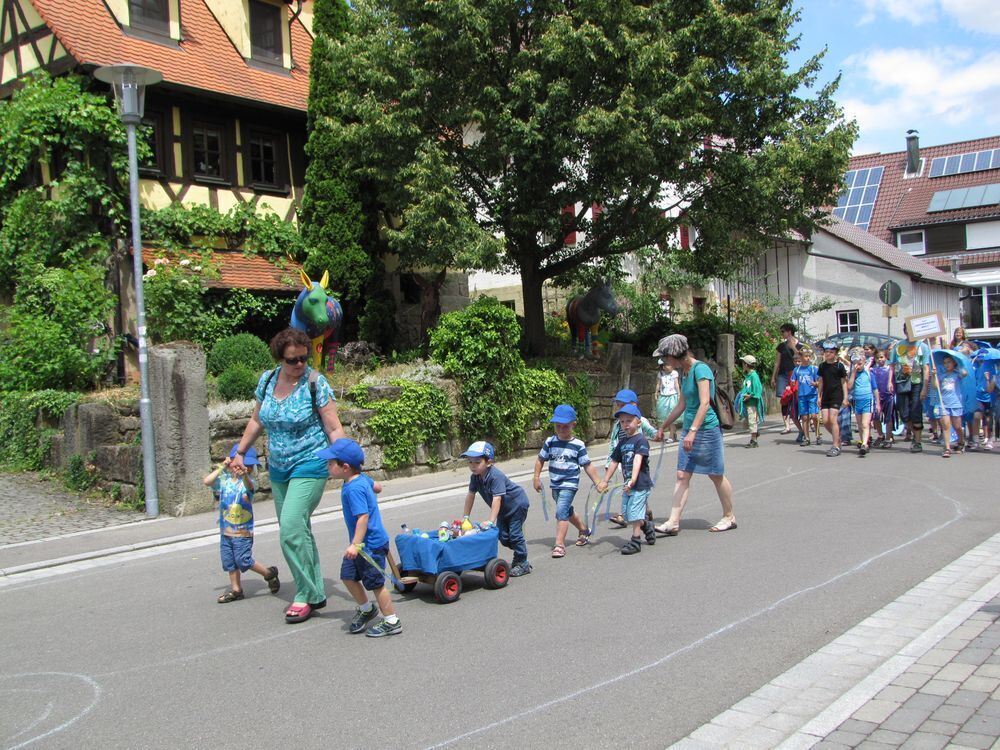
x: 912, y: 152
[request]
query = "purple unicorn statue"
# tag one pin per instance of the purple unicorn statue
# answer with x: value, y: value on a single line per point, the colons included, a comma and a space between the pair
x: 319, y: 315
x: 583, y: 313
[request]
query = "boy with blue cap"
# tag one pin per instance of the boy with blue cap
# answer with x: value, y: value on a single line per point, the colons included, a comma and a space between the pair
x: 234, y: 488
x: 623, y: 397
x: 566, y: 455
x: 369, y: 540
x: 508, y: 502
x: 632, y: 453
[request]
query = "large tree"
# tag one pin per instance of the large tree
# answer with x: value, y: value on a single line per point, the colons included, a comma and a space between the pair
x: 658, y: 111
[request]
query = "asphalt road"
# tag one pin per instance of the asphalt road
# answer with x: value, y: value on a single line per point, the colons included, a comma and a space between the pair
x: 593, y: 650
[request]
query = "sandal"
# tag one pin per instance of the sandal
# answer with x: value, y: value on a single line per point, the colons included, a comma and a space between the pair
x: 559, y: 551
x: 273, y: 584
x: 298, y: 613
x: 946, y: 454
x: 618, y: 520
x: 724, y: 525
x: 632, y: 546
x: 664, y: 530
x: 584, y: 538
x: 230, y: 596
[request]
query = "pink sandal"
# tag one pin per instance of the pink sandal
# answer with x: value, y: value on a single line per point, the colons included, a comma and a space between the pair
x: 559, y: 551
x: 298, y: 613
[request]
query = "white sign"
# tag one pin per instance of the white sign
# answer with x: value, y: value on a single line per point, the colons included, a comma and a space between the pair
x: 925, y: 326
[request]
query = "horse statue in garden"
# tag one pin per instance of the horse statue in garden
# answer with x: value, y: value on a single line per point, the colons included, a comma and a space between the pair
x: 583, y: 313
x: 319, y: 315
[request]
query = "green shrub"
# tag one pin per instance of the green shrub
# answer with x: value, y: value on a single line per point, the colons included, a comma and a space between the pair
x: 243, y: 349
x: 81, y: 473
x: 421, y: 415
x: 237, y: 383
x: 25, y: 443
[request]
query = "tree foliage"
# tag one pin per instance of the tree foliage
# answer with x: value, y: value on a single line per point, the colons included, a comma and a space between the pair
x: 496, y: 115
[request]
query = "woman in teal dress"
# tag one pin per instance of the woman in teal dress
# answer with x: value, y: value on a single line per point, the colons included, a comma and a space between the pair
x: 296, y: 407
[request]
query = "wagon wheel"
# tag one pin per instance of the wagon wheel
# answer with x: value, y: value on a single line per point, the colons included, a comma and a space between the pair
x: 448, y: 587
x: 497, y: 573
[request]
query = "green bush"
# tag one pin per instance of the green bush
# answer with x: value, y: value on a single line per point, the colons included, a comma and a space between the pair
x: 25, y: 443
x: 237, y: 383
x: 81, y: 473
x: 421, y: 415
x: 241, y: 348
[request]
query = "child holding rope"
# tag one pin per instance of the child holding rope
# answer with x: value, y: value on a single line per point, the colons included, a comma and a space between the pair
x: 632, y: 453
x: 624, y: 397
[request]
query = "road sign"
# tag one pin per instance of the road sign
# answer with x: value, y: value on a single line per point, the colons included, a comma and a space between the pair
x: 890, y: 293
x: 890, y: 311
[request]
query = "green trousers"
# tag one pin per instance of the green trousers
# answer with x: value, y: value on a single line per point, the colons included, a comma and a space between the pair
x: 294, y: 502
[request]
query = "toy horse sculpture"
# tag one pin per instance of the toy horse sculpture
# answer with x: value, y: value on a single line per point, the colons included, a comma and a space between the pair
x: 319, y: 315
x: 583, y: 313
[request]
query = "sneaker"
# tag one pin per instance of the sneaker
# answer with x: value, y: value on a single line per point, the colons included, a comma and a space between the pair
x: 361, y: 618
x: 633, y: 546
x: 819, y: 440
x: 521, y: 569
x: 751, y: 444
x: 988, y: 445
x: 862, y: 450
x: 972, y: 447
x: 384, y: 628
x: 800, y: 438
x: 916, y: 448
x: 834, y: 451
x: 650, y: 532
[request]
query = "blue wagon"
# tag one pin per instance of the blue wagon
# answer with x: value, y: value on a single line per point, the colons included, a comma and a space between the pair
x: 441, y: 564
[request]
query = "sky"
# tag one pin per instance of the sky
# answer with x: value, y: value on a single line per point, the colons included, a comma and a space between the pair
x: 929, y: 65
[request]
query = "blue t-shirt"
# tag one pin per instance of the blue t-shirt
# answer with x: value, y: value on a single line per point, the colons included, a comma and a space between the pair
x: 494, y: 482
x: 805, y: 376
x: 625, y: 453
x: 951, y: 390
x: 235, y: 505
x: 294, y: 428
x: 700, y: 371
x: 565, y: 458
x: 358, y: 498
x: 983, y: 366
x: 863, y: 384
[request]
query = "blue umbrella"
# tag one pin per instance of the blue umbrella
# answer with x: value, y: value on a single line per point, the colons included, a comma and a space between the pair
x: 982, y: 344
x: 987, y: 355
x: 968, y: 381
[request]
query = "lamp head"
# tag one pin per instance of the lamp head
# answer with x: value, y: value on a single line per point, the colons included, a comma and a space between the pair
x: 129, y: 83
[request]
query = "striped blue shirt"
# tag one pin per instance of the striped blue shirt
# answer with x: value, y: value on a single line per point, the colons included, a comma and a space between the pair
x: 565, y: 458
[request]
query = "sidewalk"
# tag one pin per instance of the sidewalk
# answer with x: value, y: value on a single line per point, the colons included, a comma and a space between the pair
x: 922, y: 672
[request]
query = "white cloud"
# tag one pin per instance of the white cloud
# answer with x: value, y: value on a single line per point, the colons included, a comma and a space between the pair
x: 981, y: 16
x: 974, y: 15
x: 915, y: 88
x: 914, y: 11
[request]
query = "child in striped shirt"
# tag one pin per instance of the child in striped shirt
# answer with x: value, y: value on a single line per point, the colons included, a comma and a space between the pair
x: 566, y: 456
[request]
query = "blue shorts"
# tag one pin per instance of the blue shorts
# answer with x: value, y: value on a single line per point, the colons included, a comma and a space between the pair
x: 984, y: 406
x: 359, y: 569
x: 236, y: 553
x: 564, y: 503
x: 808, y: 404
x: 634, y: 505
x: 863, y: 404
x: 944, y: 411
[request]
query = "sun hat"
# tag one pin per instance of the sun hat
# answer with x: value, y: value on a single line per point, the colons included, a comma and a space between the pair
x: 626, y: 396
x: 749, y: 359
x: 630, y: 409
x: 829, y: 345
x: 563, y: 414
x: 479, y: 448
x: 344, y: 450
x: 674, y: 345
x: 249, y: 458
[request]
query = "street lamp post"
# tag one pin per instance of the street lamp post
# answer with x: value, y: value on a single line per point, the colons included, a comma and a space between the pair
x: 129, y: 83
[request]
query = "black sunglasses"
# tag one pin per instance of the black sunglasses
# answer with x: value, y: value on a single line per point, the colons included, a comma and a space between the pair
x: 297, y: 360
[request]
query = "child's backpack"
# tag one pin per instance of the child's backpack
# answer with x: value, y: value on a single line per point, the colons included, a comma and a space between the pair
x: 313, y: 376
x: 790, y: 394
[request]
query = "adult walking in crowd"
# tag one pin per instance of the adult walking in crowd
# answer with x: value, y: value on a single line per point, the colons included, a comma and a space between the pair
x: 297, y: 408
x: 700, y: 450
x: 784, y: 363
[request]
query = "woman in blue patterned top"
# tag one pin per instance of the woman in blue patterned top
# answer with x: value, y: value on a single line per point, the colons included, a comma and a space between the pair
x: 297, y: 408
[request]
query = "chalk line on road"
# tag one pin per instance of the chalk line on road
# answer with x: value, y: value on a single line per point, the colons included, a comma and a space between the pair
x: 97, y: 693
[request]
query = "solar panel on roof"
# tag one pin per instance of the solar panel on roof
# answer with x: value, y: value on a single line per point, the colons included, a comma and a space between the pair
x: 857, y: 201
x: 980, y: 195
x: 974, y: 161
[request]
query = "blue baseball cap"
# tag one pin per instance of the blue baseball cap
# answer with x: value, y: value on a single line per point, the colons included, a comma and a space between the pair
x: 479, y: 448
x: 344, y: 450
x: 626, y: 396
x: 249, y: 458
x: 630, y: 409
x: 563, y: 414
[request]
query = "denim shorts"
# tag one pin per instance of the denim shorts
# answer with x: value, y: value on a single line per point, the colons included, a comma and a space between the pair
x: 808, y: 405
x: 359, y: 569
x: 634, y: 504
x: 236, y: 553
x: 862, y: 404
x: 564, y: 503
x: 944, y: 411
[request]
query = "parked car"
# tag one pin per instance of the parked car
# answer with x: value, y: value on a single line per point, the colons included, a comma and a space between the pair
x: 857, y: 338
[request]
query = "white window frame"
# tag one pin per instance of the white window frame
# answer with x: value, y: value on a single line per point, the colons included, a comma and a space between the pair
x: 911, y: 247
x: 844, y: 323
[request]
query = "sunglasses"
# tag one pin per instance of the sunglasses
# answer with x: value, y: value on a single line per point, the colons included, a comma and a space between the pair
x: 297, y: 360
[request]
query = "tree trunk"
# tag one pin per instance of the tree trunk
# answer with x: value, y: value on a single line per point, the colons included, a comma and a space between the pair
x: 534, y: 313
x: 430, y: 304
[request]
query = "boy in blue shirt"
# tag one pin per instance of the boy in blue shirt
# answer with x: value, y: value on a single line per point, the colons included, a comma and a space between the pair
x: 985, y: 372
x: 623, y: 397
x: 633, y: 455
x: 566, y: 455
x: 806, y: 376
x: 508, y: 502
x: 366, y: 532
x: 234, y: 488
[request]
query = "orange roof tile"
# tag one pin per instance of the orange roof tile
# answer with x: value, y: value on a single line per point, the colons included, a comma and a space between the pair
x: 204, y: 60
x: 238, y: 271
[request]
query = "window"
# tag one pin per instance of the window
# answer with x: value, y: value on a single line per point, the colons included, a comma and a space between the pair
x: 848, y: 321
x: 976, y: 161
x: 208, y: 154
x: 152, y: 15
x: 857, y: 201
x: 265, y: 32
x: 911, y: 242
x: 984, y: 307
x: 263, y: 159
x: 153, y: 133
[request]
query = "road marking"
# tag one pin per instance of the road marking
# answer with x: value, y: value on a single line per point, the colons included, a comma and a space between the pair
x: 90, y: 681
